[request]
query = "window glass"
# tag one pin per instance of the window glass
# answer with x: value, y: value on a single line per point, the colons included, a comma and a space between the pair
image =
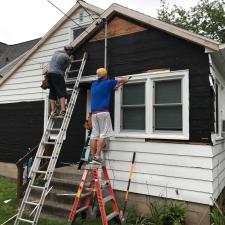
x: 134, y: 118
x: 133, y: 107
x: 168, y: 118
x: 134, y: 94
x: 77, y: 32
x: 168, y: 106
x: 168, y: 91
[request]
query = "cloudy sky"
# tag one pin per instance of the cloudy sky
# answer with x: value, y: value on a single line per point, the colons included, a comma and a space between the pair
x: 23, y: 20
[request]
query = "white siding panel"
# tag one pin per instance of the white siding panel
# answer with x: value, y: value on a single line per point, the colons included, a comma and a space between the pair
x: 177, y: 171
x: 163, y: 181
x: 164, y: 170
x: 165, y: 192
x: 218, y: 168
x: 163, y: 148
x: 24, y: 84
x: 164, y: 159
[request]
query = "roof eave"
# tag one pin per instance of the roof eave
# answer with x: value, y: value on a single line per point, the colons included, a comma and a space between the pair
x: 48, y: 34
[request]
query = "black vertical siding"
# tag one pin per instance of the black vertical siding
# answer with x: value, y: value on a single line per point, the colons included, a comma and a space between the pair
x: 21, y: 127
x: 154, y: 49
x: 72, y: 146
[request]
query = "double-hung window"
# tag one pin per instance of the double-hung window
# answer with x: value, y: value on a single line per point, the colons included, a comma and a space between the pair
x: 154, y: 105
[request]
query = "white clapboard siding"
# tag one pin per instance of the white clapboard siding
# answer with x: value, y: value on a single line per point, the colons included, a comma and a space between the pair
x: 24, y: 84
x: 178, y: 171
x: 165, y: 192
x: 218, y: 168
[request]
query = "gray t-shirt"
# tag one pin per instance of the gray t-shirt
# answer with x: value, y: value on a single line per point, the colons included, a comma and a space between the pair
x: 59, y: 62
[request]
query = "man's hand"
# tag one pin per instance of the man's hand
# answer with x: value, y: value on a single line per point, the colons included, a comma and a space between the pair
x: 121, y: 81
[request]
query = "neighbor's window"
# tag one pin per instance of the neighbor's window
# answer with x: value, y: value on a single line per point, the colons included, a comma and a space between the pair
x: 167, y: 105
x: 77, y: 32
x: 133, y: 107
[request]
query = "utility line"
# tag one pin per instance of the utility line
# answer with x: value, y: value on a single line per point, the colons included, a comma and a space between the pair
x: 84, y: 29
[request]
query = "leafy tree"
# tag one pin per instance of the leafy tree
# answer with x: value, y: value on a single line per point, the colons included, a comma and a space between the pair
x: 207, y: 18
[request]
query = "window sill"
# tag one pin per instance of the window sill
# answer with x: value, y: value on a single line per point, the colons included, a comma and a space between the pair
x: 166, y: 136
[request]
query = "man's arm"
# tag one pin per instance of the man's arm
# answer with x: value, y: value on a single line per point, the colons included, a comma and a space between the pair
x: 122, y: 80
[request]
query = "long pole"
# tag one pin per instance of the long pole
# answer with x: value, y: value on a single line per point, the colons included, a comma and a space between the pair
x: 129, y: 181
x: 106, y: 44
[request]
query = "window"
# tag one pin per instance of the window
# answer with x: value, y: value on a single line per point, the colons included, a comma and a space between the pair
x: 77, y: 32
x: 133, y: 107
x: 154, y: 105
x: 167, y: 105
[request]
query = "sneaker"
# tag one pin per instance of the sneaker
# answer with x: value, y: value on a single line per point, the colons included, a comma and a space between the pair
x: 96, y: 160
x: 54, y: 113
x: 62, y: 113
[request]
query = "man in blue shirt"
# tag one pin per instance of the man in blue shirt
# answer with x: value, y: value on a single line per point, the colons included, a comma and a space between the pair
x: 101, y: 122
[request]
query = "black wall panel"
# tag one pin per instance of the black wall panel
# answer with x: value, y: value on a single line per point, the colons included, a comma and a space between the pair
x: 154, y: 49
x: 21, y: 127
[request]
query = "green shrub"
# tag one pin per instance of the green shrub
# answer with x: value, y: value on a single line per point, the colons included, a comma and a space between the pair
x: 216, y: 217
x: 174, y: 214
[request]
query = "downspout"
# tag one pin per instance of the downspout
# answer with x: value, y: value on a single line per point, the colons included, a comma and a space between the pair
x: 106, y: 45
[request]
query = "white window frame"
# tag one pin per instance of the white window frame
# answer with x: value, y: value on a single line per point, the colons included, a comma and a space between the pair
x: 218, y: 79
x: 149, y: 79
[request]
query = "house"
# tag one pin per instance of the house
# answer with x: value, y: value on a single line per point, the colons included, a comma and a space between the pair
x: 170, y: 113
x: 11, y: 54
x: 23, y: 104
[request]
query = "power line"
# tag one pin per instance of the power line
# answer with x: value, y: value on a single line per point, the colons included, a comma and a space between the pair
x: 84, y: 29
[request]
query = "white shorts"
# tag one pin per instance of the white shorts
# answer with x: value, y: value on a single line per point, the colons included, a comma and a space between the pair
x: 101, y: 125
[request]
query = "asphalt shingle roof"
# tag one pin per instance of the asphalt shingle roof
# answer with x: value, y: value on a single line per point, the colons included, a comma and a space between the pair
x: 8, y: 53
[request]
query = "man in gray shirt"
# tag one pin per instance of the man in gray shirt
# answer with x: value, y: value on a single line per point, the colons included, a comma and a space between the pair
x: 56, y: 71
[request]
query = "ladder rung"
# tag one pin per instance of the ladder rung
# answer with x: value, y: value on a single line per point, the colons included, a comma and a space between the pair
x: 112, y: 215
x: 54, y: 129
x: 31, y: 203
x: 39, y: 171
x: 49, y: 143
x: 108, y: 198
x: 44, y: 157
x: 37, y: 187
x: 26, y: 221
x: 77, y: 60
x: 81, y: 209
x: 72, y: 71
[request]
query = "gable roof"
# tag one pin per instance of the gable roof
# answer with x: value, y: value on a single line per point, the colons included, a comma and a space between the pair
x: 88, y: 6
x: 150, y: 21
x: 11, y: 52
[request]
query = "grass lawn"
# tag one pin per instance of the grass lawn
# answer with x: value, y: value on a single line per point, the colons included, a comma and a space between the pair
x: 8, y: 191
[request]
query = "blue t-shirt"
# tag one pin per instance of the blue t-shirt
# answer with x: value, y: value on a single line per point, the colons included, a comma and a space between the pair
x: 100, y: 94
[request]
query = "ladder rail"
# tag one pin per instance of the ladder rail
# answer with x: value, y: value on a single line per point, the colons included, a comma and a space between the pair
x: 55, y: 153
x: 59, y: 142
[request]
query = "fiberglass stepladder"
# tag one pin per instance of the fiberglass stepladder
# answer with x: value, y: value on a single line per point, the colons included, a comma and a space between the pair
x: 52, y: 160
x: 99, y: 187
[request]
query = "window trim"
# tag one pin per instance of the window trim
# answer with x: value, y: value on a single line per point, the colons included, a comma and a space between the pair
x: 149, y: 132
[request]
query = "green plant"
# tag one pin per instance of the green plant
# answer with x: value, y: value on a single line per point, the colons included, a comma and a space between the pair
x: 216, y: 217
x: 174, y: 214
x: 157, y: 210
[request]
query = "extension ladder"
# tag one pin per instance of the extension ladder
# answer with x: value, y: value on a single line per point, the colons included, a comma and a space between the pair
x: 52, y: 160
x: 95, y: 186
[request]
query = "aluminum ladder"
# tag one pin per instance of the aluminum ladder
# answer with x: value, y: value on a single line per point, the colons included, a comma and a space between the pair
x: 47, y: 174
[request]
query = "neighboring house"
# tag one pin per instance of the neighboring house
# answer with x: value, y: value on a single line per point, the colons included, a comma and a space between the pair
x: 11, y: 54
x: 23, y: 104
x: 170, y: 113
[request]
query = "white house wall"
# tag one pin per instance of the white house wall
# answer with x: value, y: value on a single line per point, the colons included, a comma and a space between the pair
x: 24, y: 84
x: 218, y: 168
x: 176, y: 171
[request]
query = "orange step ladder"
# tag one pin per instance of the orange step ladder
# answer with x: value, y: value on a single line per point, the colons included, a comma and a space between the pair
x: 95, y: 186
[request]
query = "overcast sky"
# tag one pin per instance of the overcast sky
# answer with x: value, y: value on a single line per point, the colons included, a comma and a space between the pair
x: 23, y: 20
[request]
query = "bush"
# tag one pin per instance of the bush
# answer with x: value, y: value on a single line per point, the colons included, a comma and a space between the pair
x: 216, y: 217
x: 164, y: 214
